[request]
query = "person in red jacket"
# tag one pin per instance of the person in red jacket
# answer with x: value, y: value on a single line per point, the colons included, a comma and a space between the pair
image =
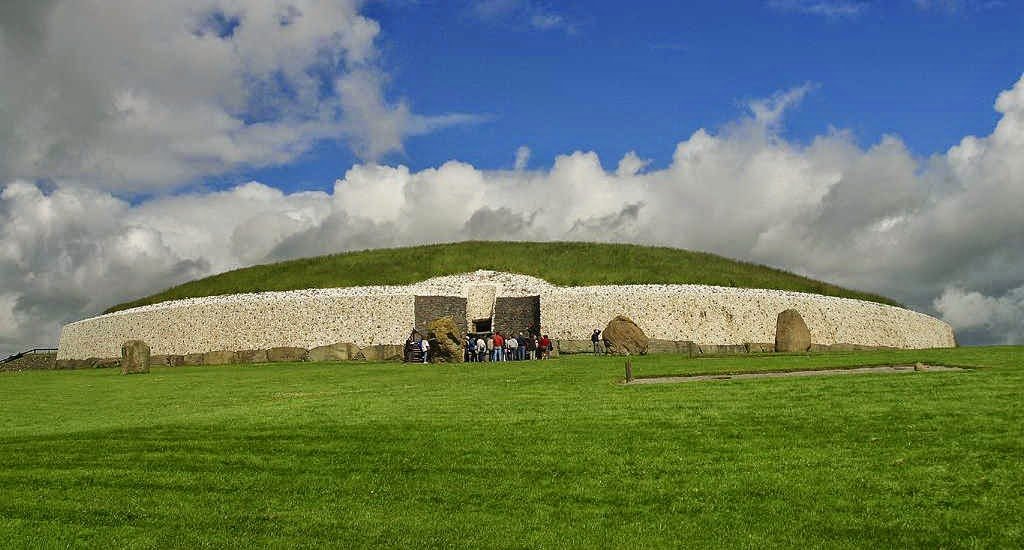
x: 499, y: 347
x: 544, y: 350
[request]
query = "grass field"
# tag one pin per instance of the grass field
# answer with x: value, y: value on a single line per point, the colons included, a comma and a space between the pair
x: 542, y: 454
x: 558, y: 262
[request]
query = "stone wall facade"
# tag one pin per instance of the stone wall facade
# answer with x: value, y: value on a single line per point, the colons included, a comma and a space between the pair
x: 31, y: 361
x: 305, y: 319
x: 368, y: 316
x: 430, y: 308
x: 514, y: 314
x: 736, y: 316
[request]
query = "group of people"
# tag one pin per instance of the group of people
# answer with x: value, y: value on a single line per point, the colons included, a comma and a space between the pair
x: 515, y: 347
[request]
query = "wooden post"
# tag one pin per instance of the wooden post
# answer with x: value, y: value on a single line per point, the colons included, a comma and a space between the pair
x: 629, y: 370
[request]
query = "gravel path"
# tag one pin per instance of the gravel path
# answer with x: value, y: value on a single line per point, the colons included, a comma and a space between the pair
x: 887, y: 369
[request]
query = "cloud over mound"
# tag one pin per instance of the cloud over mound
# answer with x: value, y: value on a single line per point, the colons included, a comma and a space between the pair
x: 941, y: 233
x: 142, y: 95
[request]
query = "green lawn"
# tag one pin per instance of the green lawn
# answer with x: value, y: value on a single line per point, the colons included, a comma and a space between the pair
x: 545, y: 454
x: 561, y: 263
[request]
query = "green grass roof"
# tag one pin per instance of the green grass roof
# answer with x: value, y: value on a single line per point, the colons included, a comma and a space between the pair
x: 560, y: 263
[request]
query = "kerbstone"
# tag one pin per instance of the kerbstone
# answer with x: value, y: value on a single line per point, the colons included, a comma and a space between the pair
x: 623, y: 337
x: 342, y: 351
x: 286, y: 354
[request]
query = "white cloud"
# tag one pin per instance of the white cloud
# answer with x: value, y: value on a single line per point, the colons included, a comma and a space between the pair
x: 941, y: 234
x: 522, y: 157
x: 524, y: 13
x: 830, y: 9
x: 155, y: 94
x: 974, y: 312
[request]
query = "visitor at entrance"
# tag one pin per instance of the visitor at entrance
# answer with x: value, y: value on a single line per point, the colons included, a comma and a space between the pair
x: 481, y: 349
x: 545, y: 347
x: 596, y: 340
x: 499, y: 348
x: 513, y: 348
x: 425, y: 348
x: 521, y: 348
x: 470, y: 349
x: 490, y: 347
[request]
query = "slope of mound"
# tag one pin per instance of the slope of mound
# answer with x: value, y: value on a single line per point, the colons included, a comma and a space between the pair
x: 560, y: 263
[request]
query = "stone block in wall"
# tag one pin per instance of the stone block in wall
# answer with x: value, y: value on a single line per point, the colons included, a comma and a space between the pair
x: 62, y: 364
x: 732, y: 349
x: 570, y: 347
x: 192, y: 359
x: 515, y: 314
x: 657, y: 345
x: 759, y: 347
x: 286, y: 354
x: 381, y: 352
x: 135, y: 357
x: 105, y: 362
x: 219, y: 358
x: 342, y: 351
x: 430, y: 308
x: 251, y: 356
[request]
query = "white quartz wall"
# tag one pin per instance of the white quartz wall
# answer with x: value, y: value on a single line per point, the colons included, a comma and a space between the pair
x: 720, y: 315
x: 246, y: 322
x: 384, y: 315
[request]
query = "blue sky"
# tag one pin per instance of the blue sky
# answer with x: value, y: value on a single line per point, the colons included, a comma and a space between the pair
x: 611, y: 80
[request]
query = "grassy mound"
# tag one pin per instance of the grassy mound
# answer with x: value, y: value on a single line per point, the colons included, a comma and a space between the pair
x: 527, y: 455
x: 560, y: 263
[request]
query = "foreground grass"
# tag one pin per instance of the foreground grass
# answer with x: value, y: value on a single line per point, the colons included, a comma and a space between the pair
x: 558, y: 262
x: 545, y: 454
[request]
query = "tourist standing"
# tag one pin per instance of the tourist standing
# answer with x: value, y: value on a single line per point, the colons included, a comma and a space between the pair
x: 470, y: 349
x: 425, y: 348
x: 531, y: 347
x: 596, y: 340
x: 513, y: 347
x: 499, y: 348
x: 481, y: 349
x: 521, y: 351
x: 490, y: 347
x: 545, y: 347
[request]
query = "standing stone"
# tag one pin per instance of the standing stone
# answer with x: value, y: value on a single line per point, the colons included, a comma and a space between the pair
x: 446, y: 347
x: 623, y: 337
x: 791, y: 332
x: 134, y: 357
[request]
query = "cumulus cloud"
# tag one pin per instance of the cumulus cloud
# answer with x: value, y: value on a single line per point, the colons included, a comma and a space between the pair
x: 941, y: 234
x: 155, y: 94
x: 525, y: 13
x: 830, y: 9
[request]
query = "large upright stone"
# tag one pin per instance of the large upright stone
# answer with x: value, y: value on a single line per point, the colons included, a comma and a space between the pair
x: 623, y: 337
x: 791, y: 332
x: 134, y: 357
x: 447, y: 344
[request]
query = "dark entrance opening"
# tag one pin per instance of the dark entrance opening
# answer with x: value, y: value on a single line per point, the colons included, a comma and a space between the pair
x: 482, y: 325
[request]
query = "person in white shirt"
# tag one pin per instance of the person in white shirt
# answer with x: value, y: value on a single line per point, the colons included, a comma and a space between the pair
x: 513, y: 345
x: 425, y: 348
